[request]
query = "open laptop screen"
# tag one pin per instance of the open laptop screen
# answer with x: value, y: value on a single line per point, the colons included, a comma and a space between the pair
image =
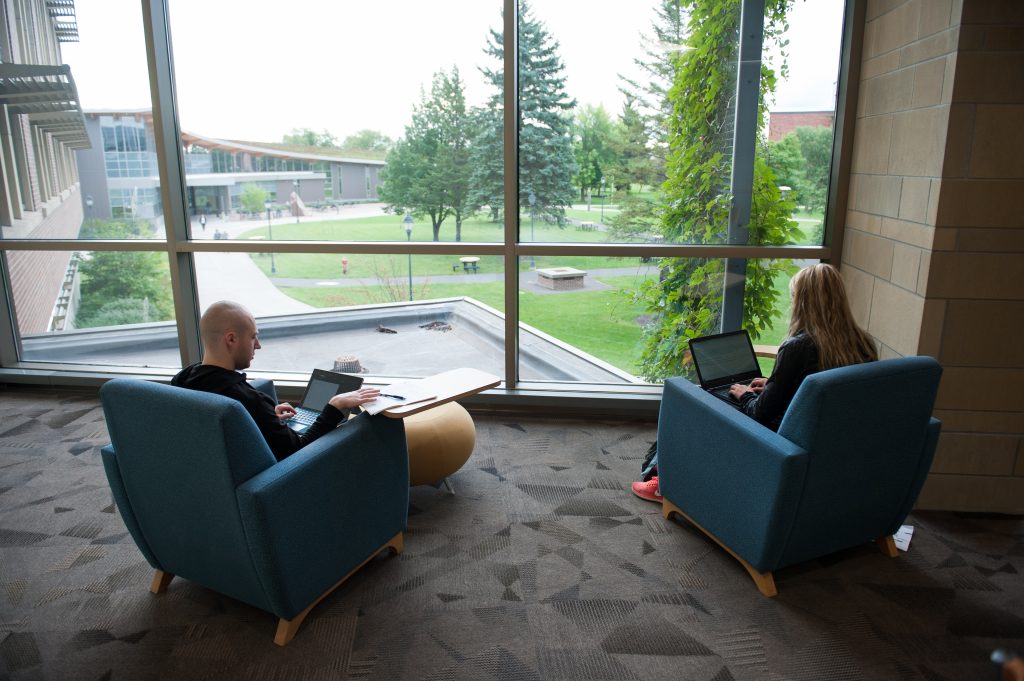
x: 724, y: 359
x: 324, y: 385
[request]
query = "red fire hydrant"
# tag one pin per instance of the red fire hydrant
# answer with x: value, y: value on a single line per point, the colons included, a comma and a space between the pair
x: 344, y: 265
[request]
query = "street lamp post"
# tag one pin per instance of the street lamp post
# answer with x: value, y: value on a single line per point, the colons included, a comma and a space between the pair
x: 270, y: 236
x: 407, y: 221
x: 295, y: 183
x: 602, y: 199
x: 532, y: 198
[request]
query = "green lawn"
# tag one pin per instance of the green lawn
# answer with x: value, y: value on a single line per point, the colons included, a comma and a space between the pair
x: 389, y: 228
x: 602, y: 323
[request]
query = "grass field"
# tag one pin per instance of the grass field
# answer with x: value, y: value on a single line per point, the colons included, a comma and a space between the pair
x: 606, y: 324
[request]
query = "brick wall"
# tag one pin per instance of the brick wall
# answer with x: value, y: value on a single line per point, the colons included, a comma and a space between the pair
x: 37, y: 276
x: 934, y: 247
x: 781, y: 123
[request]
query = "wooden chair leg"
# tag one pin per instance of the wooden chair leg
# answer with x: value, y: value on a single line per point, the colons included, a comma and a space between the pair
x: 160, y: 581
x: 286, y: 629
x: 888, y: 546
x: 764, y: 581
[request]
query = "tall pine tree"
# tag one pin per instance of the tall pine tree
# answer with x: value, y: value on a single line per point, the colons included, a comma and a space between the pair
x: 643, y: 146
x: 546, y: 164
x: 649, y: 95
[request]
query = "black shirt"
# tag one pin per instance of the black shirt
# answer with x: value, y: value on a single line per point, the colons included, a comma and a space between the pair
x: 281, y: 439
x: 797, y: 359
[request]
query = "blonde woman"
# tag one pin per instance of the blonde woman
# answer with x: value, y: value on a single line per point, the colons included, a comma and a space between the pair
x: 822, y: 335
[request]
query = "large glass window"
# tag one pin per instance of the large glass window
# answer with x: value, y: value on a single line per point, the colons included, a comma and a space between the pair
x: 341, y: 149
x: 801, y: 117
x: 118, y: 172
x: 94, y: 307
x: 381, y: 314
x: 365, y: 208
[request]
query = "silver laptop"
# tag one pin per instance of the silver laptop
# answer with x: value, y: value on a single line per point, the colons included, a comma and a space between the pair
x: 322, y: 386
x: 722, y: 360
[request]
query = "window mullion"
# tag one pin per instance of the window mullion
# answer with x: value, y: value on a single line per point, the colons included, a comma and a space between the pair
x: 748, y: 85
x: 167, y: 135
x: 511, y: 167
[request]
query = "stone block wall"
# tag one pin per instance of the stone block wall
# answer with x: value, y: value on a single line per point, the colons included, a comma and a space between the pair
x: 934, y: 248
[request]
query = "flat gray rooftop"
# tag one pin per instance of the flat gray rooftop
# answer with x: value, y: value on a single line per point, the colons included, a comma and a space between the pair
x: 429, y: 337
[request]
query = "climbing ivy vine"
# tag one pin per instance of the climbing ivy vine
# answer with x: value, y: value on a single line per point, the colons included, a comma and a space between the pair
x: 686, y: 300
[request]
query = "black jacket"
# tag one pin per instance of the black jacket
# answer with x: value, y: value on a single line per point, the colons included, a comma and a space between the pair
x: 281, y: 439
x: 797, y: 359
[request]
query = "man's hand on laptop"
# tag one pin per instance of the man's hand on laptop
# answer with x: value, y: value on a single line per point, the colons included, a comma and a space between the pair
x: 354, y: 399
x: 284, y: 411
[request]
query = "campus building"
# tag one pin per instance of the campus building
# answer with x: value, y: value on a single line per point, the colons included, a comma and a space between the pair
x: 781, y: 123
x: 121, y: 178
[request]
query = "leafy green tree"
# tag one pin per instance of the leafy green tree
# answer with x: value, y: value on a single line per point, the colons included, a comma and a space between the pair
x: 428, y: 169
x: 816, y: 149
x: 253, y: 198
x: 787, y: 163
x: 368, y: 140
x: 546, y: 164
x: 310, y: 138
x: 110, y: 278
x: 687, y: 298
x: 123, y: 311
x: 593, y: 148
x: 123, y: 228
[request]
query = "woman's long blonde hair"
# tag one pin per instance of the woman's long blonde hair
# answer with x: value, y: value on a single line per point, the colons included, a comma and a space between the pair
x: 821, y: 310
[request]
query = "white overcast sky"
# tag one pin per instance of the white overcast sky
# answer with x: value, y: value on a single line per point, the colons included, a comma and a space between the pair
x: 255, y: 69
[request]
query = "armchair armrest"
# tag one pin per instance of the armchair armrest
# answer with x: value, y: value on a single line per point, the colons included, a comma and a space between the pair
x: 319, y: 513
x: 738, y: 479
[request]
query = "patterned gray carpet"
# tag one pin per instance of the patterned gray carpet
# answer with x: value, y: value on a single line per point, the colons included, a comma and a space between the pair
x: 541, y: 566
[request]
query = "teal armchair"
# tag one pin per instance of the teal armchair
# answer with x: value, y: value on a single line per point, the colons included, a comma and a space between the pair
x: 204, y: 498
x: 845, y: 467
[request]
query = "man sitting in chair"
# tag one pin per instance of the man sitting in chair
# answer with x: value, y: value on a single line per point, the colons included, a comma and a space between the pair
x: 230, y: 341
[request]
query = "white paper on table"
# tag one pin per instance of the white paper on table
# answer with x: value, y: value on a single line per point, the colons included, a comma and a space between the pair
x: 902, y: 537
x: 411, y: 391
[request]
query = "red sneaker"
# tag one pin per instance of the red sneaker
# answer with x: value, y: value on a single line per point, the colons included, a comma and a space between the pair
x: 648, y: 491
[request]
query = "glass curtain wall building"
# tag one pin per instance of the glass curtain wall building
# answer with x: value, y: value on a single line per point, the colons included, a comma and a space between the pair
x: 541, y: 204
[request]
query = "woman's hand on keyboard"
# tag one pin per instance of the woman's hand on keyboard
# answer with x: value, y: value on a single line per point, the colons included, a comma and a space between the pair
x: 284, y: 411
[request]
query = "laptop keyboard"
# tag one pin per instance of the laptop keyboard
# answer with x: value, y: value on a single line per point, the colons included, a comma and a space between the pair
x: 723, y: 392
x: 304, y: 417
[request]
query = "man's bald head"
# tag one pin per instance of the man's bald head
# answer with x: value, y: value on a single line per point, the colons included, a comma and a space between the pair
x: 221, y: 317
x: 229, y: 335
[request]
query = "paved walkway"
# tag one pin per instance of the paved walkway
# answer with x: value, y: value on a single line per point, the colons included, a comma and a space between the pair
x: 234, y: 276
x: 525, y: 278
